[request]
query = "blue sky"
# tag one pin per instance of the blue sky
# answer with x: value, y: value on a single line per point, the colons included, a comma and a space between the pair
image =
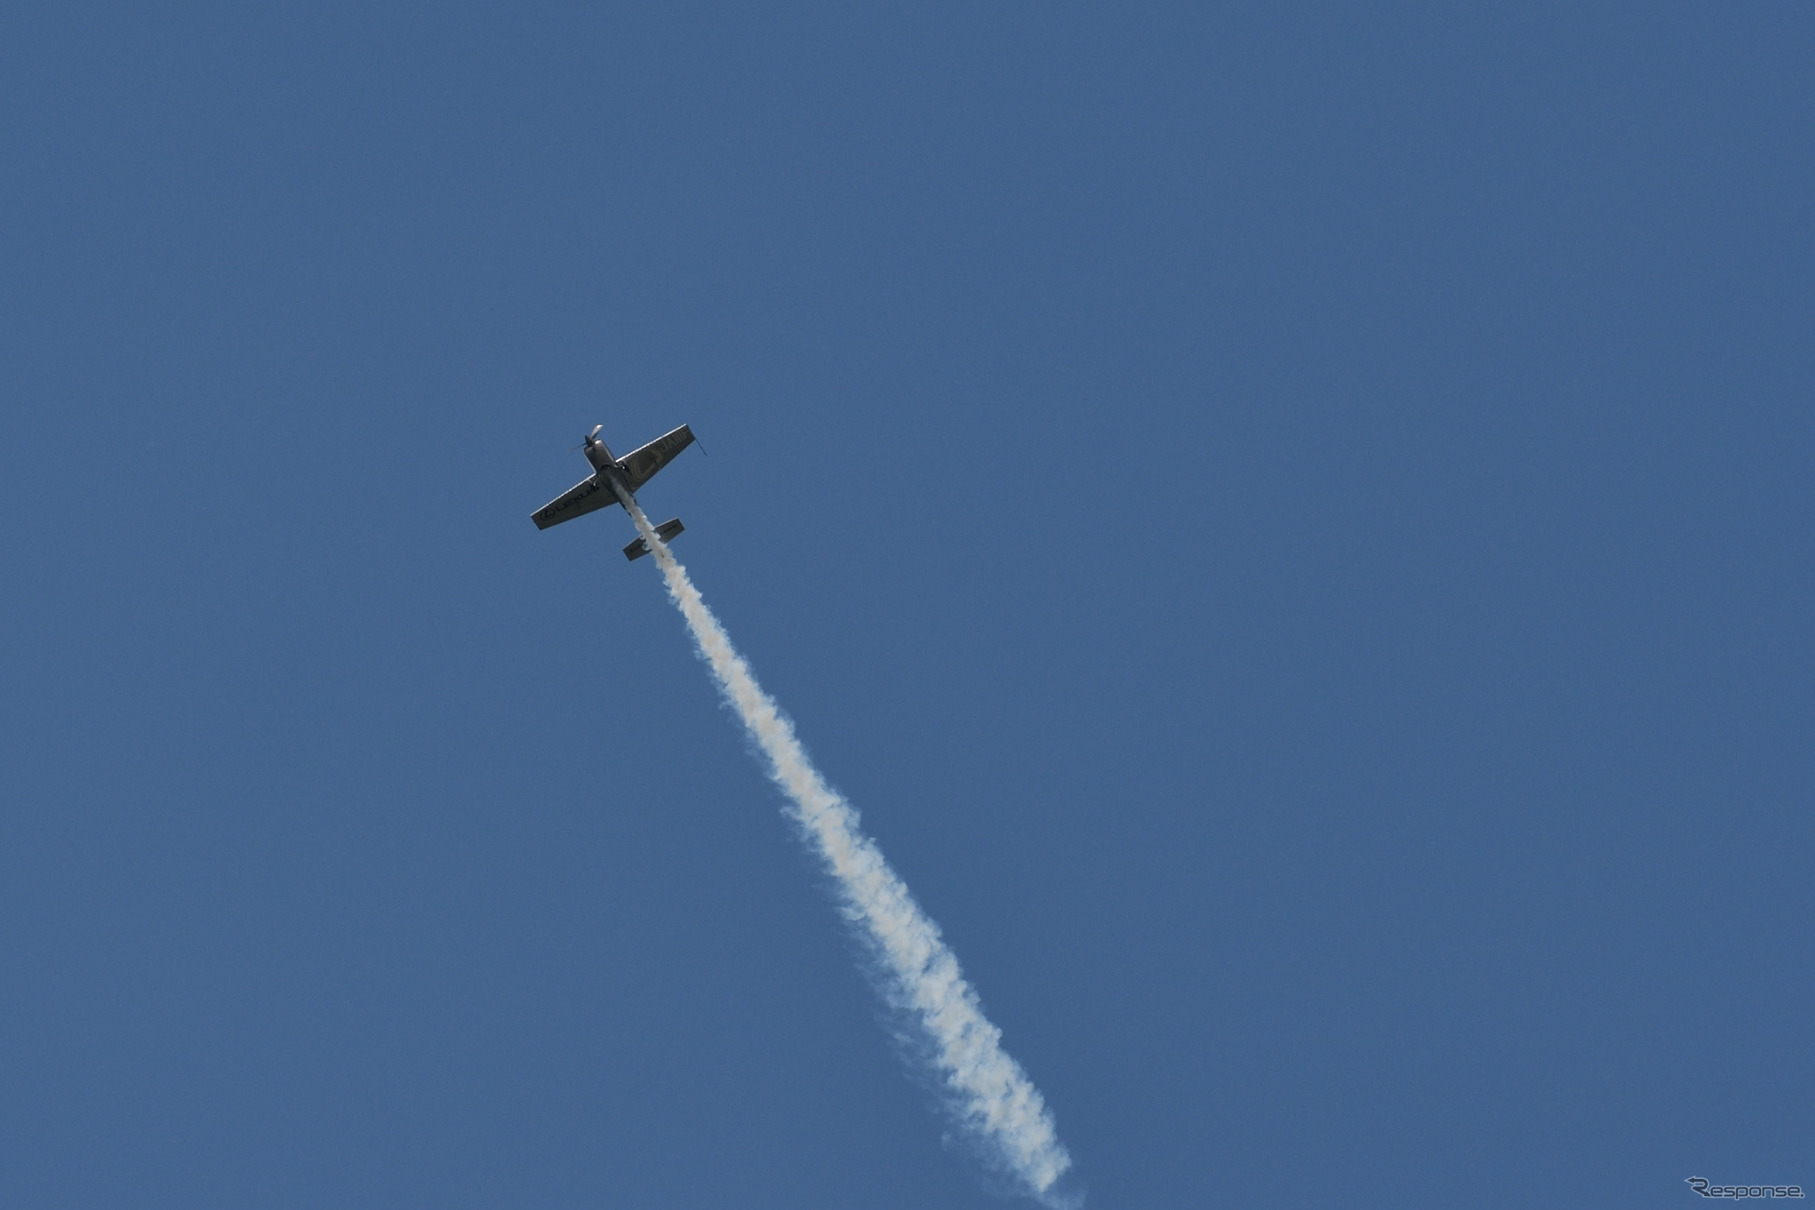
x: 1292, y: 523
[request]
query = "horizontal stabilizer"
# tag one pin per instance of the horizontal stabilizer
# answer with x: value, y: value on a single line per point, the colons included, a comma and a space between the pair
x: 666, y: 530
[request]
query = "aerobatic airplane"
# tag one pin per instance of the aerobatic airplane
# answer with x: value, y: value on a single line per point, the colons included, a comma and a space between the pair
x: 630, y: 472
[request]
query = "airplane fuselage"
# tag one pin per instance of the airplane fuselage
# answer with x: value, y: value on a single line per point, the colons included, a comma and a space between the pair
x: 605, y: 468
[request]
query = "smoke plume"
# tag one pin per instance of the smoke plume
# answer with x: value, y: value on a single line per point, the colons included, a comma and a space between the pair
x: 988, y: 1094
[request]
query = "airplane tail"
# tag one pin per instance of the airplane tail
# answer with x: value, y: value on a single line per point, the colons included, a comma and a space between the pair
x: 666, y: 530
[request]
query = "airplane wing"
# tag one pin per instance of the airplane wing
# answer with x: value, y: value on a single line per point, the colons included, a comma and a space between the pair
x: 640, y: 465
x: 578, y: 500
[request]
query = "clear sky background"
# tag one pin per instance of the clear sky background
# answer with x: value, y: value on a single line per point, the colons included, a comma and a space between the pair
x: 1291, y: 521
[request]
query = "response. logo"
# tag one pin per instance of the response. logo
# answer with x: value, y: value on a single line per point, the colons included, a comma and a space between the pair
x: 1703, y: 1187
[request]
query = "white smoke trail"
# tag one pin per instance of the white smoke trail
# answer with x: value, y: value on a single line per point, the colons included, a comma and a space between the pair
x: 990, y: 1095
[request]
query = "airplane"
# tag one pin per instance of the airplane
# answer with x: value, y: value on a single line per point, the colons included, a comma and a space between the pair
x: 630, y: 472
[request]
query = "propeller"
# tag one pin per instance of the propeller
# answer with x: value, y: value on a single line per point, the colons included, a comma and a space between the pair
x: 588, y: 439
